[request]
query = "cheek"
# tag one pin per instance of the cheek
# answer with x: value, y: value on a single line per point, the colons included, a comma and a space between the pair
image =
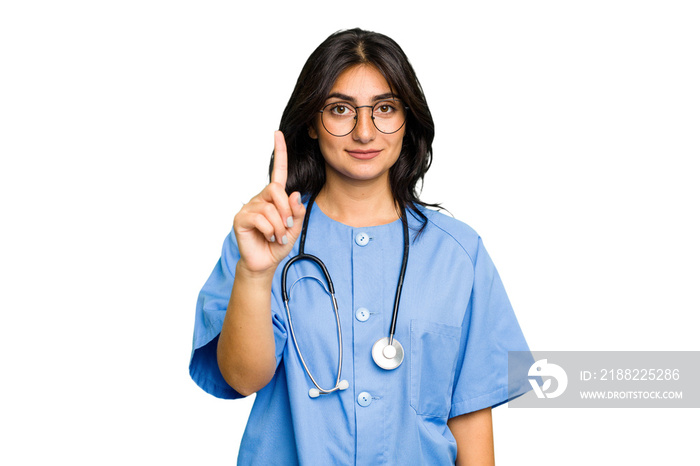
x: 399, y: 142
x: 330, y: 145
x: 328, y: 151
x: 325, y: 147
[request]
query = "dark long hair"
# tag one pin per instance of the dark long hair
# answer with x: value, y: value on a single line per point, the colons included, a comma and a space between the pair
x: 340, y: 51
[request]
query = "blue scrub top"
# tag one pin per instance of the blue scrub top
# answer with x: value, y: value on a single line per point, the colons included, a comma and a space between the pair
x: 455, y: 323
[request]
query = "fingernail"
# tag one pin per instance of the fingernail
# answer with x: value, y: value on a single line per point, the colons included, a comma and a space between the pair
x: 299, y: 199
x: 272, y: 238
x: 290, y: 222
x: 285, y: 240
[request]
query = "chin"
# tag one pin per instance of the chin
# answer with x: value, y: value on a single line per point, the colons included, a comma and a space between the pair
x: 365, y: 175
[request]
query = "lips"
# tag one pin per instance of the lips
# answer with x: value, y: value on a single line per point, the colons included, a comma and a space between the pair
x: 364, y: 154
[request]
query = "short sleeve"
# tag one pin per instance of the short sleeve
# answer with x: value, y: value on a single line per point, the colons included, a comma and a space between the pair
x: 489, y: 331
x: 209, y: 317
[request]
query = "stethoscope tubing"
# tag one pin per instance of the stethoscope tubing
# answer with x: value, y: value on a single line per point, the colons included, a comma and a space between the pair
x: 285, y: 298
x: 392, y: 363
x: 402, y: 274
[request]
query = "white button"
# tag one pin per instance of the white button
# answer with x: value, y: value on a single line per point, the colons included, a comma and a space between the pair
x: 362, y: 314
x: 362, y: 239
x: 364, y: 399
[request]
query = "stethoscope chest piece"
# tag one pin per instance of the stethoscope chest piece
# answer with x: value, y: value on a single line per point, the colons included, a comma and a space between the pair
x: 387, y: 356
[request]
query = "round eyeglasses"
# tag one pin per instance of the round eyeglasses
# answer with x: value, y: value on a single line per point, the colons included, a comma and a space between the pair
x: 340, y: 118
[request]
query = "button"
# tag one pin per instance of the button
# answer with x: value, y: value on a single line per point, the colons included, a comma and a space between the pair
x: 364, y: 399
x: 362, y: 239
x: 362, y: 314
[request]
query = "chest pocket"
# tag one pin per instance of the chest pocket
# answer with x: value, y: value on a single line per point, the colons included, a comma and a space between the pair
x: 434, y: 348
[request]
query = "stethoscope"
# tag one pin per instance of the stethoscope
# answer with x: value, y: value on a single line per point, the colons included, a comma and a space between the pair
x: 387, y: 352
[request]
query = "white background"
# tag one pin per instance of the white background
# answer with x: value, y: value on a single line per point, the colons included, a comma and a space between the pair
x: 132, y: 131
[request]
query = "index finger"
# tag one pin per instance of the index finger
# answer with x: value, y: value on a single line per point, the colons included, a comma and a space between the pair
x: 279, y: 167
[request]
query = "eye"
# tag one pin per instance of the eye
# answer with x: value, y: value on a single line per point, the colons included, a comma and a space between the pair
x: 340, y: 109
x: 385, y: 109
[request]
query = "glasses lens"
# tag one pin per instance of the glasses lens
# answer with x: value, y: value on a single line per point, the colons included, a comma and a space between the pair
x: 389, y: 115
x: 339, y: 118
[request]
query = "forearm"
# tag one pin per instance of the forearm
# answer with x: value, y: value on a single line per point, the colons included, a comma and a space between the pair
x: 474, y: 435
x: 246, y: 349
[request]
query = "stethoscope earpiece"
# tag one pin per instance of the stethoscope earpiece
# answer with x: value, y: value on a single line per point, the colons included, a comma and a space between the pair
x: 316, y: 392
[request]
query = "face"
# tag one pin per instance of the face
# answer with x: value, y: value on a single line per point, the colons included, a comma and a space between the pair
x: 366, y: 154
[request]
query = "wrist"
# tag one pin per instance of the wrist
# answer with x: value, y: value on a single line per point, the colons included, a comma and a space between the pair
x: 256, y: 276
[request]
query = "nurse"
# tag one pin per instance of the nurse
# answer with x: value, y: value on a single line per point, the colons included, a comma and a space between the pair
x: 355, y: 140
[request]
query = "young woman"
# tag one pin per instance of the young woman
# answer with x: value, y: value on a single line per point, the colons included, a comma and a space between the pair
x: 389, y: 345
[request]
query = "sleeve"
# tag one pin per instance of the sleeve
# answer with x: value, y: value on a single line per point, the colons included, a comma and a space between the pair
x: 490, y: 331
x: 209, y: 318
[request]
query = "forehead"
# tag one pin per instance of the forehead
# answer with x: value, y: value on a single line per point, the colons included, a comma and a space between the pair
x: 361, y: 82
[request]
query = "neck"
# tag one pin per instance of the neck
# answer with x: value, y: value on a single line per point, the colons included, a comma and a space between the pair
x: 358, y: 205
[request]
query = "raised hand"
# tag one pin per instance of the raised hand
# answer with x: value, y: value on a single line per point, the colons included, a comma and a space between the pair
x: 267, y: 226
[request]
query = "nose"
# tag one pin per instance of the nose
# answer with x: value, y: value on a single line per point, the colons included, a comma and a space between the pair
x: 364, y: 131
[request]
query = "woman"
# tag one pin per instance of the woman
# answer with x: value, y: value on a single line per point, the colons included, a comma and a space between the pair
x: 355, y: 140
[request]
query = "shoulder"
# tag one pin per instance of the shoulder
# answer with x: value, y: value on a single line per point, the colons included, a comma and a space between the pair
x: 448, y: 231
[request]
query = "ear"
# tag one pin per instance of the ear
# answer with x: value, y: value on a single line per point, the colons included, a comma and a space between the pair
x: 313, y: 134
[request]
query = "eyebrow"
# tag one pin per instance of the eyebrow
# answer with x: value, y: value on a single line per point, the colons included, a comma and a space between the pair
x: 339, y: 95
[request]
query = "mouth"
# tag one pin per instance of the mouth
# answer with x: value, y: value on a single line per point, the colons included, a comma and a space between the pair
x: 364, y: 154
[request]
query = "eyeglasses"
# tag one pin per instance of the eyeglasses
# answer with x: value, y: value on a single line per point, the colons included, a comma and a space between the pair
x: 340, y: 118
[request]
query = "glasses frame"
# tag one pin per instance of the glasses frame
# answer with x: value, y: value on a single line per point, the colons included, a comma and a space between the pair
x: 357, y: 114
